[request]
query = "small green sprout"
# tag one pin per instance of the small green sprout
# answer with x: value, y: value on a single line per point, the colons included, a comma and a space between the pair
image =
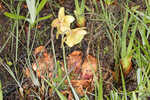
x: 79, y: 13
x: 127, y: 52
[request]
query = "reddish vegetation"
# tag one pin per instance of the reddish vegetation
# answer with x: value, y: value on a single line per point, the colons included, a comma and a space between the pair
x: 74, y: 61
x: 89, y: 67
x: 43, y: 64
x: 82, y: 70
x: 85, y: 70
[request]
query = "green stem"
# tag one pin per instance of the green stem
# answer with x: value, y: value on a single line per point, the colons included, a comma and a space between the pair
x: 77, y: 5
x: 53, y: 48
x: 65, y: 66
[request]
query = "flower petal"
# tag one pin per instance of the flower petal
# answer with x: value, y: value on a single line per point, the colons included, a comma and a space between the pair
x: 55, y: 23
x: 79, y: 31
x: 75, y: 37
x: 57, y: 34
x: 63, y: 29
x: 61, y: 13
x: 69, y: 19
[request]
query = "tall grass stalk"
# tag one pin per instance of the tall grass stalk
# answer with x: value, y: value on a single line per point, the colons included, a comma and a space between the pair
x: 1, y: 92
x: 100, y: 85
x: 17, y: 31
x: 53, y: 48
x: 79, y: 13
x: 123, y: 85
x: 65, y: 66
x: 61, y: 96
x: 1, y: 49
x: 13, y: 75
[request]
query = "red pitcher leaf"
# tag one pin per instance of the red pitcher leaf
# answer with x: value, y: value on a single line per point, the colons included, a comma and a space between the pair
x: 69, y: 93
x: 74, y: 61
x: 70, y: 96
x: 76, y: 83
x: 84, y: 83
x: 80, y: 90
x: 80, y: 85
x: 89, y: 67
x: 27, y: 72
x: 44, y: 63
x: 39, y: 49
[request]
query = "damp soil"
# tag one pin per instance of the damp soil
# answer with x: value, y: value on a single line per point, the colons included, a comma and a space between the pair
x: 106, y: 53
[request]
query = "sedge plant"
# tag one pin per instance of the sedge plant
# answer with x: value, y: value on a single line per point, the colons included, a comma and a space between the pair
x: 143, y: 59
x: 1, y: 92
x: 79, y: 13
x: 34, y: 10
x: 127, y: 51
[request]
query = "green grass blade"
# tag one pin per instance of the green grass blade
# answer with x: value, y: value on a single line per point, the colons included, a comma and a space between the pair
x: 96, y: 5
x: 123, y: 85
x: 102, y: 5
x: 123, y: 38
x: 11, y: 73
x: 1, y: 92
x: 134, y: 96
x: 69, y: 82
x: 114, y: 95
x: 139, y: 81
x: 146, y: 53
x: 142, y: 31
x: 40, y: 6
x: 32, y: 10
x: 137, y: 55
x: 82, y: 6
x: 59, y: 71
x: 1, y: 49
x: 129, y: 50
x: 61, y: 96
x: 44, y: 18
x: 100, y: 89
x: 77, y: 5
x: 124, y: 34
x: 14, y: 16
x: 100, y: 84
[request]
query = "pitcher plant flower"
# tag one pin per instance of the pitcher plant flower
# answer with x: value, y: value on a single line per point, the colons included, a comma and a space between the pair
x: 62, y: 23
x: 75, y: 36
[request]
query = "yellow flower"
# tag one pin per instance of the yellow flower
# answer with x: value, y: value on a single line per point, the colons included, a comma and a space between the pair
x: 62, y: 22
x: 75, y: 36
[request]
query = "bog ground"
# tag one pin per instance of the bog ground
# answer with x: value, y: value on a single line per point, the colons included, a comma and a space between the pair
x: 74, y: 49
